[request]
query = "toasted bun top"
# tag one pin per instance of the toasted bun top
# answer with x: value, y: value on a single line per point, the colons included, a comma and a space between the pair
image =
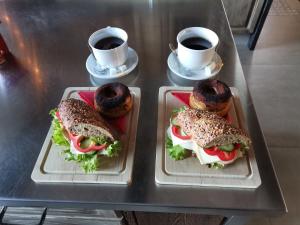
x: 212, y: 91
x: 81, y: 119
x: 208, y: 129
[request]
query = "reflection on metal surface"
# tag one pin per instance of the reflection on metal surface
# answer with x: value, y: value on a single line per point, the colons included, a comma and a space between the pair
x: 25, y: 52
x: 3, y: 50
x: 2, y: 84
x: 6, y: 18
x: 179, y: 81
x: 129, y: 80
x: 10, y: 75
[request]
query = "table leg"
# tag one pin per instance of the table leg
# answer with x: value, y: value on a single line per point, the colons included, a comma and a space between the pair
x: 235, y: 220
x: 259, y: 25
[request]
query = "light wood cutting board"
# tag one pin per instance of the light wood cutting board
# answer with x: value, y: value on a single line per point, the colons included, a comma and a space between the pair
x: 52, y: 168
x: 241, y: 174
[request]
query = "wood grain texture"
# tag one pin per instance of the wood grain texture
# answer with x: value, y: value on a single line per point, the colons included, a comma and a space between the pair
x: 242, y: 174
x: 81, y: 217
x: 76, y: 221
x: 84, y: 213
x: 51, y: 167
x: 22, y: 215
x: 129, y: 218
x: 146, y: 218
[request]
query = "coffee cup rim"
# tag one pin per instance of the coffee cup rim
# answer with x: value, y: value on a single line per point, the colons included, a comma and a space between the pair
x: 103, y: 29
x: 194, y: 28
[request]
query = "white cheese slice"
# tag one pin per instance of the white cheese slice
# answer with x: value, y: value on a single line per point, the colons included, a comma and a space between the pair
x: 200, y: 153
x: 187, y: 144
x: 74, y: 150
x: 206, y: 159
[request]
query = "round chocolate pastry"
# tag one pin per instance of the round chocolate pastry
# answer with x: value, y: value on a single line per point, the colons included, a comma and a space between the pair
x: 211, y: 95
x: 113, y: 100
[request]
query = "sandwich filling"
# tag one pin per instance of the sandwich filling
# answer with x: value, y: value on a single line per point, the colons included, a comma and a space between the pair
x: 82, y: 149
x: 180, y: 145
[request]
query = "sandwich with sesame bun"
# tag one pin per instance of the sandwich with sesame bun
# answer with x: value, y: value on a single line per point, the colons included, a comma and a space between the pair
x: 84, y: 134
x: 214, y: 141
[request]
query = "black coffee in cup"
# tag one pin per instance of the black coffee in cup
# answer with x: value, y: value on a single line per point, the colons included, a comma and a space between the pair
x: 108, y: 43
x: 196, y: 43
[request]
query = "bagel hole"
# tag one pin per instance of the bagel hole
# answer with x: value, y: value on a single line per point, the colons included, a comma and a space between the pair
x: 109, y: 93
x: 209, y: 90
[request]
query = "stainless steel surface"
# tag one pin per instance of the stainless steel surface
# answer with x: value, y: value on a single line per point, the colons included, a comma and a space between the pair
x: 49, y: 42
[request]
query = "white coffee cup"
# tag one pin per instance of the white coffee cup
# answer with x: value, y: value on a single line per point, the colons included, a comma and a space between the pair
x: 196, y: 59
x: 109, y: 58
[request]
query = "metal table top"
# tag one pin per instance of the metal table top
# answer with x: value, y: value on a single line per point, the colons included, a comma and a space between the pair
x: 49, y: 42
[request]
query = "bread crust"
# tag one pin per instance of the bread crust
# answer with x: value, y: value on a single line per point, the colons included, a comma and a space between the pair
x: 220, y: 108
x: 208, y: 129
x: 81, y: 119
x: 120, y: 110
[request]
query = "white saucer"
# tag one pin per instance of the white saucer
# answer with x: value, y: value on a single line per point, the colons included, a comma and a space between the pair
x: 207, y: 72
x: 112, y: 73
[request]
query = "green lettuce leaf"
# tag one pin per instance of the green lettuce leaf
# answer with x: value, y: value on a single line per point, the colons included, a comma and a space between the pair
x: 216, y: 165
x: 100, y: 140
x: 88, y: 162
x: 244, y: 148
x: 58, y: 136
x: 175, y: 152
x: 177, y: 110
x: 112, y: 150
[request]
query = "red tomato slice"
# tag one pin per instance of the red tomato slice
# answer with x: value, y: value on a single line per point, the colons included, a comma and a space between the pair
x: 176, y: 133
x: 212, y: 151
x: 76, y: 142
x: 76, y: 139
x: 227, y: 156
x: 58, y: 116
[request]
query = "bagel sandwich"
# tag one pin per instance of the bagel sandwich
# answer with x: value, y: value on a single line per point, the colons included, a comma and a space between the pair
x: 214, y: 141
x: 83, y: 133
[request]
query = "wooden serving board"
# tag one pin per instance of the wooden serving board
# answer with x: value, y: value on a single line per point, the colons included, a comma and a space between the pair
x: 243, y: 173
x: 52, y: 168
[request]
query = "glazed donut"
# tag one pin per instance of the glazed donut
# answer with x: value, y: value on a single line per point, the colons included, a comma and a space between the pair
x: 113, y: 100
x: 211, y: 95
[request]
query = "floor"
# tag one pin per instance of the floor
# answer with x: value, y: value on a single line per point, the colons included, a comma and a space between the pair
x: 273, y: 75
